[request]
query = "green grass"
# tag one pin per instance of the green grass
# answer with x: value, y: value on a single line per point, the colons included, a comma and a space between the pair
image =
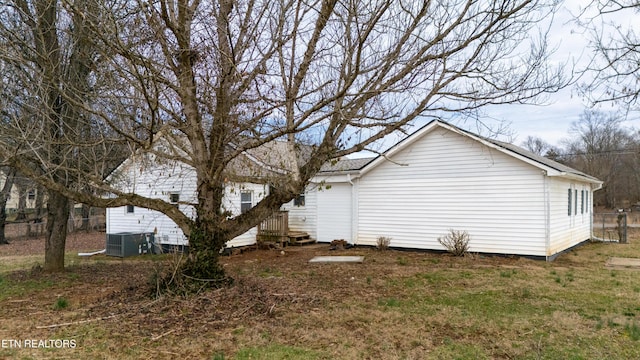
x: 22, y: 289
x: 277, y: 352
x: 60, y: 304
x: 402, y: 306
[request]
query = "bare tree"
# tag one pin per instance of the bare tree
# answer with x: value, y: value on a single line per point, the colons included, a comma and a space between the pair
x: 9, y: 176
x: 602, y: 147
x: 216, y: 79
x: 616, y: 53
x: 540, y: 147
x: 47, y: 59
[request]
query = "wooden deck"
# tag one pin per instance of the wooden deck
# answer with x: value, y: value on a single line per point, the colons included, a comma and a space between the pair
x: 275, y: 229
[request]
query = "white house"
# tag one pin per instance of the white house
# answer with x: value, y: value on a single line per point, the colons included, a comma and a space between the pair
x: 29, y: 194
x: 509, y: 200
x: 175, y: 182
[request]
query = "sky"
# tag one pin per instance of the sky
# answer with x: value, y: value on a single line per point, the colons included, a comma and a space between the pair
x: 552, y: 121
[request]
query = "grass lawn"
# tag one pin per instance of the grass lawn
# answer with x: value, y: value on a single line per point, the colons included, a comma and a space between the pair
x: 395, y: 305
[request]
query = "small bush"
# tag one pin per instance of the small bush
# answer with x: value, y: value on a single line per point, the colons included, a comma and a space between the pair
x: 456, y: 242
x: 633, y: 330
x: 61, y: 303
x: 383, y: 242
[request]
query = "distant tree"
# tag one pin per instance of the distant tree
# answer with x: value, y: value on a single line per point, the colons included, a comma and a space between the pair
x: 540, y: 147
x: 217, y: 79
x: 48, y: 59
x: 536, y: 145
x: 601, y: 147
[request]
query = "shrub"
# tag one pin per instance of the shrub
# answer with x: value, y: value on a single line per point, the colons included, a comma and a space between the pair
x: 61, y: 303
x: 456, y: 242
x: 383, y: 242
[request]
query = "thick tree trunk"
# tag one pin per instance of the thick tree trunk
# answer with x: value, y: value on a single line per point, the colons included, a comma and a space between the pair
x: 203, y: 264
x: 86, y: 212
x: 57, y: 222
x: 207, y: 237
x: 39, y: 208
x: 3, y: 218
x: 4, y: 196
x: 22, y: 202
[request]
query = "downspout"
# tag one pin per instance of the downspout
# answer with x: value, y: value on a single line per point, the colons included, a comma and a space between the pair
x: 354, y: 210
x: 593, y: 190
x: 590, y: 210
x: 547, y: 214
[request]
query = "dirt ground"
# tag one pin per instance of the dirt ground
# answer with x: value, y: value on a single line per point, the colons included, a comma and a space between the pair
x: 76, y: 242
x: 278, y: 297
x: 119, y: 294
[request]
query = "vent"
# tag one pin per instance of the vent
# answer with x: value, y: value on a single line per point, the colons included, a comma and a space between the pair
x: 129, y: 244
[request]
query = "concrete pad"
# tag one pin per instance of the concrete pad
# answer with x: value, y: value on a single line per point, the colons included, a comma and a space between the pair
x: 623, y: 263
x: 337, y: 259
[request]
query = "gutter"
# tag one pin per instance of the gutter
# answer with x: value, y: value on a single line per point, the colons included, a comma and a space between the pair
x: 577, y: 177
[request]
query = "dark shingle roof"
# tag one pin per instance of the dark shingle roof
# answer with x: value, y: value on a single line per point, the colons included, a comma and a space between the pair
x: 355, y: 165
x: 540, y: 159
x: 346, y: 165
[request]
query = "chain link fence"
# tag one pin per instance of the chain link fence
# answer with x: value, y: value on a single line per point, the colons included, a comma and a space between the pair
x: 32, y: 229
x: 610, y: 227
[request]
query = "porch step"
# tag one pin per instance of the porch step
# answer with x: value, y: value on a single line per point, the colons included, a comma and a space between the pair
x: 299, y: 238
x: 305, y: 241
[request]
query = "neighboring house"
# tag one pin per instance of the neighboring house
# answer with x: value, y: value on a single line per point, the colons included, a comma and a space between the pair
x: 175, y: 182
x: 14, y: 196
x: 509, y: 200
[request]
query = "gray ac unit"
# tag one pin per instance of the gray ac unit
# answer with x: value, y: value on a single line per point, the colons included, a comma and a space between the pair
x: 129, y: 244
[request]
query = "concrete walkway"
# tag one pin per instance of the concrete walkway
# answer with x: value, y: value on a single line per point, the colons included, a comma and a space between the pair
x: 623, y: 263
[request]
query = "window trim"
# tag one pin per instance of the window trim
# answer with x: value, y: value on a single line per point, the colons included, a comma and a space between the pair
x: 300, y: 200
x: 587, y: 201
x: 249, y: 202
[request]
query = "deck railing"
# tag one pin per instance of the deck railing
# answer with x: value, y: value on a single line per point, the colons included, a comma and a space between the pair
x: 275, y: 228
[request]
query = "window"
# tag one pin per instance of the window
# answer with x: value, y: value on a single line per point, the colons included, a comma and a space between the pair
x: 575, y: 209
x: 299, y: 200
x: 174, y: 198
x: 31, y: 195
x: 245, y: 201
x: 582, y: 202
x: 130, y: 209
x: 586, y: 198
x: 570, y: 202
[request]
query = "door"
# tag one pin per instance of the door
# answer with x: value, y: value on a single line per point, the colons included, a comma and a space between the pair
x: 335, y: 213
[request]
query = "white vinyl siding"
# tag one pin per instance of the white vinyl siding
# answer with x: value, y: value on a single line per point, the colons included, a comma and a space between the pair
x: 334, y: 213
x: 233, y: 203
x: 567, y: 231
x: 448, y: 181
x: 161, y: 181
x: 304, y: 218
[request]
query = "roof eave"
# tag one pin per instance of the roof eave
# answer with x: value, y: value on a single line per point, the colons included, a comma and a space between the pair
x: 578, y: 177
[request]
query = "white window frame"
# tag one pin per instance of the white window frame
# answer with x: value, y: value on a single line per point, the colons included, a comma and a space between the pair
x: 300, y: 200
x: 171, y: 199
x: 244, y: 202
